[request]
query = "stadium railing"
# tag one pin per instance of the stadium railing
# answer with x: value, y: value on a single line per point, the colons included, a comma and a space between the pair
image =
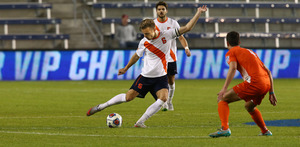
x: 36, y: 21
x: 248, y: 35
x: 35, y: 6
x: 196, y: 1
x: 14, y: 37
x: 216, y: 21
x: 218, y: 34
x: 212, y: 20
x: 244, y: 5
x: 31, y: 21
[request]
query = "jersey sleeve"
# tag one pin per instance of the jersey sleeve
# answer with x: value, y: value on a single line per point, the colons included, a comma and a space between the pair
x: 141, y: 48
x: 176, y: 25
x: 173, y: 33
x: 230, y: 56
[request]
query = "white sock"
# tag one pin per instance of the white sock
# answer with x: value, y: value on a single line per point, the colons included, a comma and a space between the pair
x: 152, y: 109
x: 120, y: 98
x: 171, y: 92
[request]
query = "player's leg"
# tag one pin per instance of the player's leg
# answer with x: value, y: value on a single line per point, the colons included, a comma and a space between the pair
x: 257, y: 118
x: 159, y: 91
x: 154, y: 108
x: 171, y: 81
x: 120, y: 98
x: 172, y: 71
x: 134, y: 91
x: 223, y: 109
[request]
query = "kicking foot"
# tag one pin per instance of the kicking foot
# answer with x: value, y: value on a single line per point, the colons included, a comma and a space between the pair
x: 140, y: 125
x: 221, y: 133
x: 93, y: 110
x: 268, y: 133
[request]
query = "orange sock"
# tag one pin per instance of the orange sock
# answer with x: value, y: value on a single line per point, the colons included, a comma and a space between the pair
x: 223, y: 110
x: 257, y: 117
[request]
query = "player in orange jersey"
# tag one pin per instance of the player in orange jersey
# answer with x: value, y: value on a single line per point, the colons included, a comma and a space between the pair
x: 257, y: 83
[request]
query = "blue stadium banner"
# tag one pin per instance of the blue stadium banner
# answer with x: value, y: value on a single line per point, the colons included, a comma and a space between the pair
x: 104, y: 64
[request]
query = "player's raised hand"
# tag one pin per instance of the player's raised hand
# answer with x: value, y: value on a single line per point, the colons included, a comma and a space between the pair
x: 272, y: 99
x: 188, y: 52
x: 122, y: 71
x: 202, y: 9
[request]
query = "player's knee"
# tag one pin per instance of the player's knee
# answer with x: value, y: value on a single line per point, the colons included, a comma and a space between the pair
x: 170, y: 82
x: 129, y: 98
x: 230, y: 96
x: 171, y: 79
x: 164, y: 99
x: 225, y: 99
x: 172, y: 86
x: 131, y: 94
x: 249, y: 108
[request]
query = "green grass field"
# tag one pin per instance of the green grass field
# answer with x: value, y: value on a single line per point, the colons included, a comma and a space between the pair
x: 53, y: 113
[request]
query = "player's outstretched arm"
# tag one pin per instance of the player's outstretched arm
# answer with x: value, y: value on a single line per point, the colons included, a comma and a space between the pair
x: 132, y: 61
x: 193, y: 21
x: 272, y: 97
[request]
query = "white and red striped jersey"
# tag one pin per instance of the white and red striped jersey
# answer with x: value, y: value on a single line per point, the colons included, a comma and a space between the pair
x: 156, y: 51
x: 169, y: 23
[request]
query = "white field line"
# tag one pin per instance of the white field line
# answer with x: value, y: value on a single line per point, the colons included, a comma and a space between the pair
x: 39, y: 90
x: 99, y: 135
x: 131, y: 136
x: 82, y: 116
x: 105, y: 127
x: 38, y: 117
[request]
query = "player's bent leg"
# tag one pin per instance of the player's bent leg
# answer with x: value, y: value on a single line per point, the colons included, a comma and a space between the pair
x: 257, y: 118
x: 230, y: 96
x: 120, y: 98
x: 250, y: 106
x: 162, y: 95
x: 131, y: 94
x: 223, y: 109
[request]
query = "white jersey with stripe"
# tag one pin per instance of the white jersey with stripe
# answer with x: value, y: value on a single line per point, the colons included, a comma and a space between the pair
x: 156, y: 51
x: 169, y: 23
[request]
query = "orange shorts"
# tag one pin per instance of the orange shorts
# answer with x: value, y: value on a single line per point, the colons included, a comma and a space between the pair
x: 252, y: 92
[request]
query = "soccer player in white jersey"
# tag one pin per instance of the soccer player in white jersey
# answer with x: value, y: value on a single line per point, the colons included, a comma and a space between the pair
x: 163, y: 22
x: 155, y: 45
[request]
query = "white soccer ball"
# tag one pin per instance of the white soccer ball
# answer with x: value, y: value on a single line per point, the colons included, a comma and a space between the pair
x: 114, y: 120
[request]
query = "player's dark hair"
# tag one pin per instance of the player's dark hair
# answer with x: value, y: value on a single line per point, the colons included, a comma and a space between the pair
x: 233, y: 38
x: 162, y: 3
x: 147, y: 23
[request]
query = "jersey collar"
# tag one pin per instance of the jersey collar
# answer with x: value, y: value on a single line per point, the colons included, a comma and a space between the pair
x: 163, y: 21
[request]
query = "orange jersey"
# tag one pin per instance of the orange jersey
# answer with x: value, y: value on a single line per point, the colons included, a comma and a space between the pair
x: 249, y: 65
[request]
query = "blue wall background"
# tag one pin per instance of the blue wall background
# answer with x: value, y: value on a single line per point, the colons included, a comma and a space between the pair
x: 104, y: 64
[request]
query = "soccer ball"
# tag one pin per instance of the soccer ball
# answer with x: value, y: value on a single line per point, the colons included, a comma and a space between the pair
x: 114, y: 120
